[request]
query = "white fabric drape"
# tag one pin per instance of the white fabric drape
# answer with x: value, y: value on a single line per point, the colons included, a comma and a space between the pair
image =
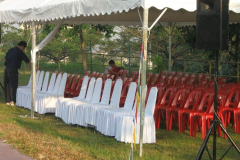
x: 94, y: 11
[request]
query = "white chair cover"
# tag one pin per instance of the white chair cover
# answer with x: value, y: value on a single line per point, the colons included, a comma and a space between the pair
x: 25, y: 99
x: 48, y: 88
x: 19, y: 96
x: 44, y: 100
x: 62, y: 102
x: 114, y: 103
x: 125, y: 124
x: 106, y: 121
x: 51, y: 105
x: 89, y: 117
x: 70, y: 107
x: 43, y: 88
x: 76, y: 110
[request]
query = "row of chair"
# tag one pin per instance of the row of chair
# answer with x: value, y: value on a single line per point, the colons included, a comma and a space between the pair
x: 194, y: 106
x: 174, y: 103
x: 45, y: 94
x: 99, y: 107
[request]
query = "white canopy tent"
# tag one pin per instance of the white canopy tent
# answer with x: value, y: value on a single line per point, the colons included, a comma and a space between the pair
x: 112, y: 12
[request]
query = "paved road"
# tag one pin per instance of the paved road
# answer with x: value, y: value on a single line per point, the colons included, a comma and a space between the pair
x: 7, y: 152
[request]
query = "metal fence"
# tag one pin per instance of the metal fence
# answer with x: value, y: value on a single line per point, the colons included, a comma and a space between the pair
x: 98, y: 62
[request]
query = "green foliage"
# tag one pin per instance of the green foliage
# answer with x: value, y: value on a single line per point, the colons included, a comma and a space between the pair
x: 159, y: 64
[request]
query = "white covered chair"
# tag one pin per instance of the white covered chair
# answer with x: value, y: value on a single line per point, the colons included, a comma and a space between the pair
x: 126, y: 123
x: 73, y: 107
x: 27, y: 87
x: 46, y: 102
x: 106, y: 116
x: 91, y: 110
x: 42, y: 88
x: 25, y: 92
x: 62, y: 102
x: 88, y: 109
x: 71, y: 104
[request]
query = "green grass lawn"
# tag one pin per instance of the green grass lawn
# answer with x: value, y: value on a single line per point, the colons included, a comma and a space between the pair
x: 50, y: 138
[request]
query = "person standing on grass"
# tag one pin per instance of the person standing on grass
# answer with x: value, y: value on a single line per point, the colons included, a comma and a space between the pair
x: 114, y: 69
x: 13, y: 60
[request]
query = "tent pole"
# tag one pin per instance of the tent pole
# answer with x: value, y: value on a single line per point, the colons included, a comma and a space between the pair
x: 170, y: 48
x: 143, y: 81
x: 33, y: 57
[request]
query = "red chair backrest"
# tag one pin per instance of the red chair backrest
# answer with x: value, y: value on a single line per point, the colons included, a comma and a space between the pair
x: 161, y: 90
x: 92, y: 74
x: 100, y: 75
x: 168, y: 96
x: 163, y: 73
x: 74, y: 82
x: 119, y: 74
x: 168, y: 80
x: 221, y: 100
x: 148, y: 77
x: 193, y: 98
x: 152, y: 80
x: 69, y: 81
x: 133, y: 75
x: 206, y: 101
x: 86, y: 73
x: 233, y: 98
x: 204, y: 78
x: 180, y: 97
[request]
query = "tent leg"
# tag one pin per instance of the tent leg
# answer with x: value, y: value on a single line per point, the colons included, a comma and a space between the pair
x: 143, y: 81
x: 33, y: 69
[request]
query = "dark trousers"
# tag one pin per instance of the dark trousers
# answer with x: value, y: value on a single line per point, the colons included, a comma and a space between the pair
x: 10, y: 83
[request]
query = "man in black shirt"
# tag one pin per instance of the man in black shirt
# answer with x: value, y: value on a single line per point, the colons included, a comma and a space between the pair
x: 13, y: 60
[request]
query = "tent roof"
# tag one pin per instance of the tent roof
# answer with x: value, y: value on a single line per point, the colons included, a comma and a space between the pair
x: 118, y: 12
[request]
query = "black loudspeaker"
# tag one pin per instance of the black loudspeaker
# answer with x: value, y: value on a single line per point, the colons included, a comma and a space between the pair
x: 210, y: 33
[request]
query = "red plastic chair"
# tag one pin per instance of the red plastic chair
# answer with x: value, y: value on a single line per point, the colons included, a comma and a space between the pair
x: 163, y: 73
x: 75, y: 93
x: 86, y: 73
x: 231, y: 107
x: 124, y: 92
x: 69, y: 81
x: 119, y: 74
x: 69, y: 91
x: 192, y: 76
x: 202, y: 107
x: 161, y: 78
x: 165, y: 102
x: 92, y: 74
x: 191, y: 102
x: 186, y: 75
x: 178, y: 74
x: 178, y: 102
x: 168, y: 80
x: 148, y: 77
x: 204, y: 78
x: 204, y: 118
x: 174, y: 81
x: 227, y: 88
x: 96, y: 74
x: 100, y: 75
x: 181, y: 82
x: 172, y: 73
x: 161, y: 90
x: 133, y: 75
x: 152, y: 80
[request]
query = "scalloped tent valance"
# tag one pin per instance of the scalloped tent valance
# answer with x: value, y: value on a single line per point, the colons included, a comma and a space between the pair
x: 117, y: 12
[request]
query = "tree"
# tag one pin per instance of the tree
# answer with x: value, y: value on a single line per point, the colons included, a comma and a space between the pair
x: 91, y: 31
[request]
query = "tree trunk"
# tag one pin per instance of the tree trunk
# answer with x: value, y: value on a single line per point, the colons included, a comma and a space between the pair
x: 84, y: 56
